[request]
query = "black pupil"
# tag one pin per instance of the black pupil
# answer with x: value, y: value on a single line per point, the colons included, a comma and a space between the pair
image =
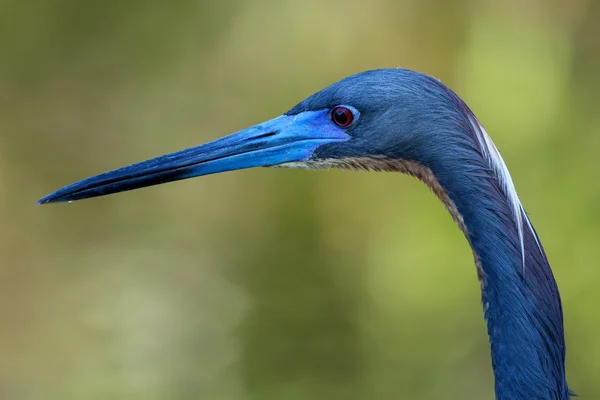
x: 341, y: 116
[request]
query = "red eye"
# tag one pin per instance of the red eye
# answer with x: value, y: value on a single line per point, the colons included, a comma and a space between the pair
x: 342, y: 116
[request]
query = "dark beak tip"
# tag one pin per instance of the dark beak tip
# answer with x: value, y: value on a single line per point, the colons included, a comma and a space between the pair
x: 51, y: 198
x: 44, y: 200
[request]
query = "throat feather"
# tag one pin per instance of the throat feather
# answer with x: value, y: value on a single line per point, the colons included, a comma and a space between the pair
x: 385, y: 164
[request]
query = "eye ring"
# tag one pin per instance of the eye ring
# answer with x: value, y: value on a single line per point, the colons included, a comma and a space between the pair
x: 342, y: 116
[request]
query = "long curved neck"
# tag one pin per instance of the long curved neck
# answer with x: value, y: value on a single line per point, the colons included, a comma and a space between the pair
x: 520, y: 296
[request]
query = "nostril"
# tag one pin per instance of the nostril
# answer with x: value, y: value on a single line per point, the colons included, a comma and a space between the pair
x: 265, y: 135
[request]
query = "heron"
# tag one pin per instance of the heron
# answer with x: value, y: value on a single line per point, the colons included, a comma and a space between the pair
x: 405, y: 121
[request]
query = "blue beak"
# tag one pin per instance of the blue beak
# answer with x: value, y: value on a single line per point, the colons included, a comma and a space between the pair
x: 288, y: 138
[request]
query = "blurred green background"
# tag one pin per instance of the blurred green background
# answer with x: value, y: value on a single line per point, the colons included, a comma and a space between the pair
x: 276, y: 284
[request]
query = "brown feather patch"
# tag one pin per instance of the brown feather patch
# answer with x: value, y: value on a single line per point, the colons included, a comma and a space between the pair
x: 392, y: 165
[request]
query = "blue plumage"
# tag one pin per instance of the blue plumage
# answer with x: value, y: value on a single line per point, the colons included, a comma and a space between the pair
x: 396, y: 119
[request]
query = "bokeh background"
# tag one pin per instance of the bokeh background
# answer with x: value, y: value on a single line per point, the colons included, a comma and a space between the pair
x: 276, y: 284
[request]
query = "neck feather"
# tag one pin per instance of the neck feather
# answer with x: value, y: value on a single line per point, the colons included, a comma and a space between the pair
x: 520, y: 297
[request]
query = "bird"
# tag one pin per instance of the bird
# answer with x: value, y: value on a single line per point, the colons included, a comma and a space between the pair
x: 400, y: 120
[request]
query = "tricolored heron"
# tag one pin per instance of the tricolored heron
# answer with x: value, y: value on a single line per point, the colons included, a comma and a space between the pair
x: 401, y: 120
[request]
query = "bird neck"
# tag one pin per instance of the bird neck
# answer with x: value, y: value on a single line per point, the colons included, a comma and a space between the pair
x: 520, y: 297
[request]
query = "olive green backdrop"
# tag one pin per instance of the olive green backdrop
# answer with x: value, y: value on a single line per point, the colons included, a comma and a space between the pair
x: 276, y: 284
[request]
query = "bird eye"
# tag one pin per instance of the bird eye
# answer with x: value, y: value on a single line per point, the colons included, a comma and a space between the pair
x: 342, y: 116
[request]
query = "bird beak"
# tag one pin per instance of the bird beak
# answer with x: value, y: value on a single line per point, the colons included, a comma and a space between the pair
x: 287, y: 138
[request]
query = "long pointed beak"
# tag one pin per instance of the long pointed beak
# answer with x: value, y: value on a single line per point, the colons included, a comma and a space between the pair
x: 281, y: 140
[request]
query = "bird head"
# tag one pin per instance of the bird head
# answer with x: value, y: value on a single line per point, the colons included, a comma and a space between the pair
x: 372, y: 115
